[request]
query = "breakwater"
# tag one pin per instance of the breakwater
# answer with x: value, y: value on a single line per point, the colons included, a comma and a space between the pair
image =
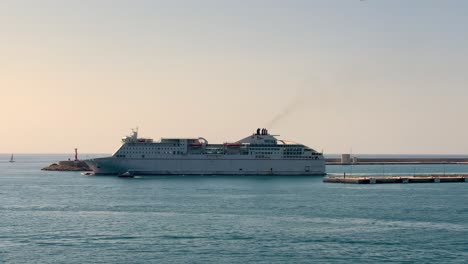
x: 68, y: 165
x: 82, y: 166
x: 434, y: 178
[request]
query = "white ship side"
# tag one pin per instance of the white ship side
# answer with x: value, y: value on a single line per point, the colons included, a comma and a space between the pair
x: 257, y: 154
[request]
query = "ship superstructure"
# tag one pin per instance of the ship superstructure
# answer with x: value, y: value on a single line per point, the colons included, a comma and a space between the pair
x: 257, y: 154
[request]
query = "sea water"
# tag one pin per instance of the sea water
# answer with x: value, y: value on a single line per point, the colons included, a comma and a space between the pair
x: 66, y: 217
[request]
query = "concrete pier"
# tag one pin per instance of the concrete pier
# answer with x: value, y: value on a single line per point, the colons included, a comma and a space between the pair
x: 434, y: 178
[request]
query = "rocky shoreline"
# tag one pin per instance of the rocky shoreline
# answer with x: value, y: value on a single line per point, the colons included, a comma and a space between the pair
x: 68, y: 166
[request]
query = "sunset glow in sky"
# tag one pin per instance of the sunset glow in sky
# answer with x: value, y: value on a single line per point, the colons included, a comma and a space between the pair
x: 382, y: 76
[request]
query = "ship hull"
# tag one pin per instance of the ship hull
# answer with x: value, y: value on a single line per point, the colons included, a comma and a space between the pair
x: 208, y: 166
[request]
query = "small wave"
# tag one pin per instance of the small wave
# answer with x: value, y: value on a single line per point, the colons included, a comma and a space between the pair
x: 182, y: 237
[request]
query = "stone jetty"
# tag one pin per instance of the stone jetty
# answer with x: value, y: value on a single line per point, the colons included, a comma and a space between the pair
x: 68, y: 165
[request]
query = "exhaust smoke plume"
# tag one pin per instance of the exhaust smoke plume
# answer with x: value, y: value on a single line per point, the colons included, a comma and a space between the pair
x: 298, y: 101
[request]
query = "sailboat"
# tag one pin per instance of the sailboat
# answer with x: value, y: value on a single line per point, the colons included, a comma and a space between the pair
x: 11, y: 159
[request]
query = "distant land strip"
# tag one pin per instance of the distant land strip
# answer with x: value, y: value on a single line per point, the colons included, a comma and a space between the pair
x: 409, y: 161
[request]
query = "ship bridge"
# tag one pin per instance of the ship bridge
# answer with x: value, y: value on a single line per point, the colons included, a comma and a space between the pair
x: 133, y: 138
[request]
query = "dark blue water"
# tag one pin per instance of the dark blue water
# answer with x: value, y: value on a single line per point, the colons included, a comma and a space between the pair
x: 53, y: 217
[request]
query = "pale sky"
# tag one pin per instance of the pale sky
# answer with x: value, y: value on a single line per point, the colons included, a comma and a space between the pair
x: 377, y: 76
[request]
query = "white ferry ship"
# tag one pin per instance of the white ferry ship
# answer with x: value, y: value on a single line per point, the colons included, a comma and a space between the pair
x: 257, y: 154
